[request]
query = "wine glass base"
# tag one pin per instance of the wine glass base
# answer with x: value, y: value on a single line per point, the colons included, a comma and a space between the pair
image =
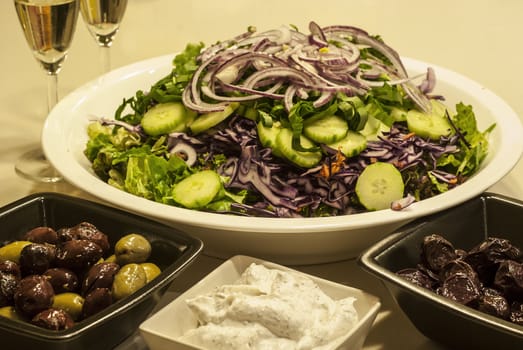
x: 34, y: 166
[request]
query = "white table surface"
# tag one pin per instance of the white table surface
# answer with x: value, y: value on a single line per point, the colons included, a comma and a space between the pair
x: 477, y: 38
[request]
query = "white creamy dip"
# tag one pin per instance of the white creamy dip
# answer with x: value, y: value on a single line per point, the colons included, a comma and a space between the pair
x: 269, y: 309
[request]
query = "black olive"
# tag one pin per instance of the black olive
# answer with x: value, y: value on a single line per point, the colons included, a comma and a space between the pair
x: 62, y: 279
x: 86, y: 231
x: 65, y: 234
x: 35, y: 258
x: 97, y: 300
x: 53, y: 319
x: 42, y: 234
x: 100, y: 276
x: 78, y: 254
x: 33, y: 294
x: 8, y: 285
x: 10, y: 267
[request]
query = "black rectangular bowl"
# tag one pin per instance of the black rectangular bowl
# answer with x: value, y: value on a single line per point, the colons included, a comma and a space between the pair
x: 449, y: 323
x: 172, y: 251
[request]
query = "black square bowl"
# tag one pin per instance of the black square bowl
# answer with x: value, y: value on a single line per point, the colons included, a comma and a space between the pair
x: 172, y: 251
x: 449, y: 323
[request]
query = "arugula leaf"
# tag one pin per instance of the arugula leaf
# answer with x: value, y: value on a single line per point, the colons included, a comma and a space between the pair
x: 168, y: 89
x: 475, y: 147
x: 297, y: 114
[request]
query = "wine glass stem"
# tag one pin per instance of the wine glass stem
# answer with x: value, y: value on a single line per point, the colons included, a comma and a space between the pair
x: 105, y: 58
x: 52, y: 90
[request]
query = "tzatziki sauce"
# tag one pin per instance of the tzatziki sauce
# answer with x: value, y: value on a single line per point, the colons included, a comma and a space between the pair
x: 269, y: 309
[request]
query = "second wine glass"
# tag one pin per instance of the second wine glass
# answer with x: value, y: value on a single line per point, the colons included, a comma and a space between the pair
x: 103, y: 18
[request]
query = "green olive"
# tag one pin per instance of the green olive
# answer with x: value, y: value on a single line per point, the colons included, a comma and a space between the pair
x: 11, y: 251
x: 111, y: 258
x: 151, y: 270
x: 132, y: 248
x: 128, y: 280
x: 10, y: 312
x: 72, y: 303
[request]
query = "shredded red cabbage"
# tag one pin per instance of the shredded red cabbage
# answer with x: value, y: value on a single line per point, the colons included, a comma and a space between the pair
x: 288, y: 191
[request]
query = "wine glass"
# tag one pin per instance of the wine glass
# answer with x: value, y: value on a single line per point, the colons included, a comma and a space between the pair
x: 103, y: 18
x: 49, y: 27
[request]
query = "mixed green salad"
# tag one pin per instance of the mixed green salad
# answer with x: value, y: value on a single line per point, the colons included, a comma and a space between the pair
x: 284, y: 123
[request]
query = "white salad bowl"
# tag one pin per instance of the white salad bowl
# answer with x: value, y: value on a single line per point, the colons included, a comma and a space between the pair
x: 285, y: 240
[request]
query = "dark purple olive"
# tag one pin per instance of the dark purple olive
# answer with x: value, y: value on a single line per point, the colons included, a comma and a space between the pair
x: 36, y: 258
x: 436, y: 252
x: 486, y: 256
x: 78, y: 254
x: 493, y: 303
x: 417, y: 277
x: 42, y: 234
x: 509, y: 279
x: 53, y: 319
x: 461, y: 288
x: 8, y: 285
x: 489, y: 277
x: 458, y: 266
x: 461, y: 253
x: 97, y: 300
x: 10, y: 267
x: 65, y: 234
x: 62, y: 279
x: 497, y: 249
x: 87, y: 231
x: 99, y: 276
x: 34, y: 294
x: 516, y: 313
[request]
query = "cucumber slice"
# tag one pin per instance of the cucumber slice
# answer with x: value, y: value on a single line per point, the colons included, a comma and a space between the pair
x: 351, y: 145
x: 432, y: 125
x: 379, y: 185
x: 303, y: 159
x: 326, y: 130
x: 267, y: 136
x: 208, y: 120
x: 197, y: 190
x: 164, y: 118
x: 398, y: 114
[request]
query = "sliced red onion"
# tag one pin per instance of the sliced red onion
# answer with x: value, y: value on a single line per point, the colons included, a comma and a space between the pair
x: 403, y: 203
x: 137, y: 129
x: 284, y: 63
x: 428, y: 84
x: 187, y: 152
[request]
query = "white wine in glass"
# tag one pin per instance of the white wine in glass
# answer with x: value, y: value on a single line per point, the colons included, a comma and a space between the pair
x: 49, y: 27
x: 103, y: 18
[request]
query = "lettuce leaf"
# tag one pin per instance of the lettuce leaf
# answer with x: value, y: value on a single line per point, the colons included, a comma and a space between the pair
x: 474, y: 145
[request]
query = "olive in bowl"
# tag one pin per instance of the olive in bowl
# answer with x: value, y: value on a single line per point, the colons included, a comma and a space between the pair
x: 451, y: 248
x: 101, y: 322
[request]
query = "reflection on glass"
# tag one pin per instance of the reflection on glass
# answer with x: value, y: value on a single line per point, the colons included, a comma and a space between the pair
x: 49, y: 27
x: 103, y: 18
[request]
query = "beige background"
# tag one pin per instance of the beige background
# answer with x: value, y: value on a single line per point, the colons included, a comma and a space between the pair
x: 481, y: 39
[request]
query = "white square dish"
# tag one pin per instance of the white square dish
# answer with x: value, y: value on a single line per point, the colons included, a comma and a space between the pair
x: 163, y: 329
